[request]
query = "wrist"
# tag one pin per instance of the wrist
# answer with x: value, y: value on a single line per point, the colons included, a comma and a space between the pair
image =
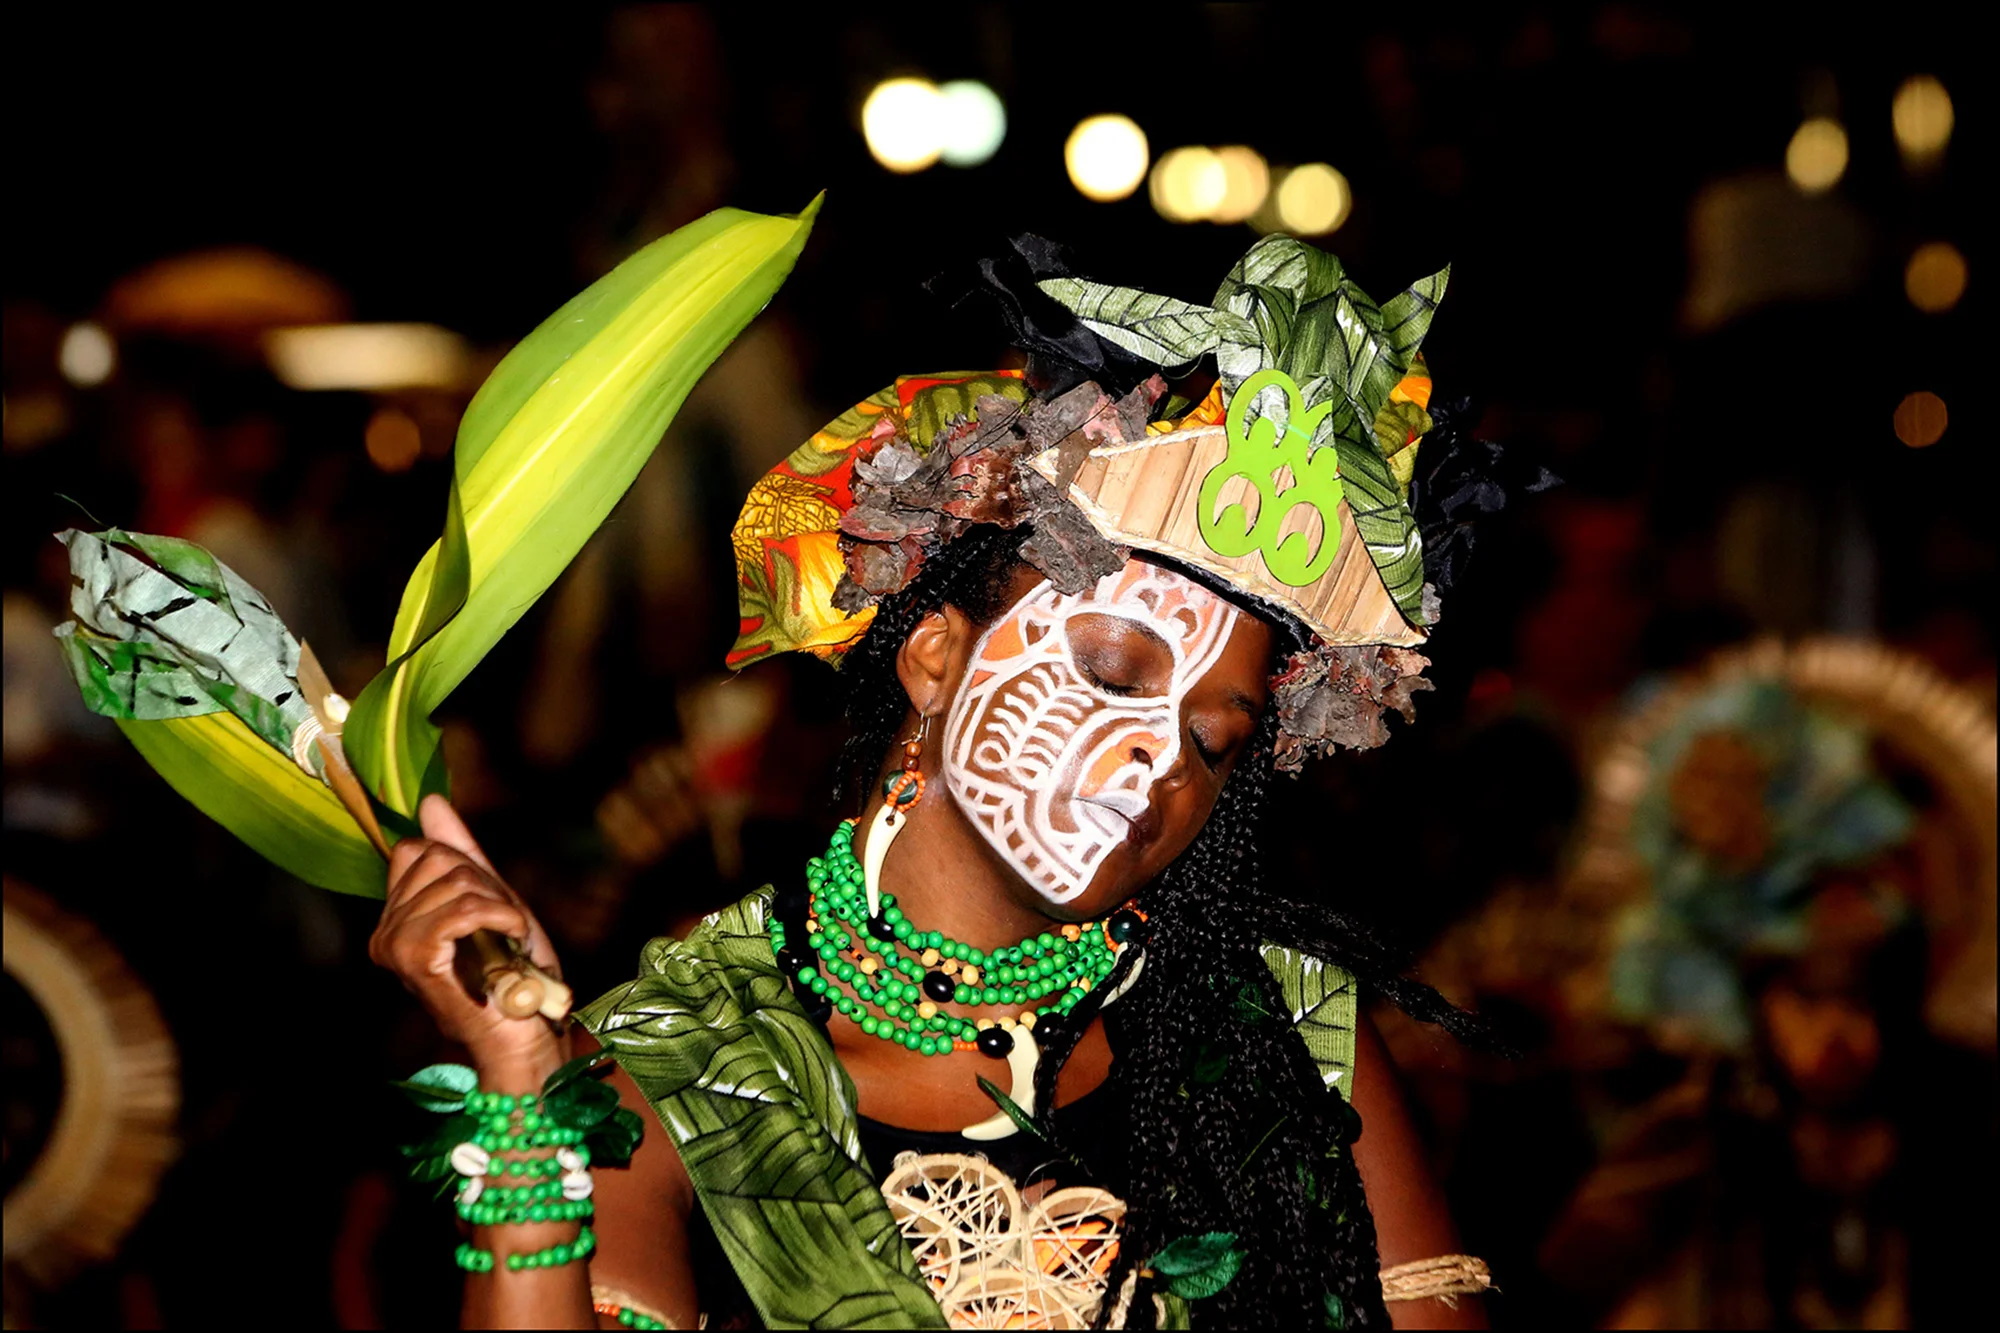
x: 517, y: 1069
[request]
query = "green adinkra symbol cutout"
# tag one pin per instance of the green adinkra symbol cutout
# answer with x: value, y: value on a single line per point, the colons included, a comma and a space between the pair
x: 1259, y: 455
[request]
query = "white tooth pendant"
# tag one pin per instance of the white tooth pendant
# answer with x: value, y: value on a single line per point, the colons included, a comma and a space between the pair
x: 1125, y: 985
x: 474, y: 1187
x: 569, y: 1159
x: 1022, y: 1057
x: 576, y: 1185
x: 881, y: 832
x: 469, y: 1159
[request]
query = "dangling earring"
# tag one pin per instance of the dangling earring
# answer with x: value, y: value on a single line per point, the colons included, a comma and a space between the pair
x: 900, y: 792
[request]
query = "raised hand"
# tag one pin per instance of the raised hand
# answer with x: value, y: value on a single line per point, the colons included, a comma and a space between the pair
x: 441, y: 889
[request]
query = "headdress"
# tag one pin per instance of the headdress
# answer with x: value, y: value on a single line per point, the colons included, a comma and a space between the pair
x: 1293, y: 482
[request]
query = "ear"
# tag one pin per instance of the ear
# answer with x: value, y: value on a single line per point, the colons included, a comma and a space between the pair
x: 932, y: 658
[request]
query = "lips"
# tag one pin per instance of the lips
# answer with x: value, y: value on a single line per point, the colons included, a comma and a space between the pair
x: 1133, y: 807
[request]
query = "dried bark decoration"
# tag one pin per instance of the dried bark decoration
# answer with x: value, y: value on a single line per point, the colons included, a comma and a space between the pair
x: 910, y: 501
x: 1333, y: 697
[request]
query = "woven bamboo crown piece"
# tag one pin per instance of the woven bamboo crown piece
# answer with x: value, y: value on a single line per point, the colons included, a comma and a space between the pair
x: 1167, y: 494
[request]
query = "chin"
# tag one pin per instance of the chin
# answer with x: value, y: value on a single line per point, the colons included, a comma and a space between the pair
x: 1117, y: 882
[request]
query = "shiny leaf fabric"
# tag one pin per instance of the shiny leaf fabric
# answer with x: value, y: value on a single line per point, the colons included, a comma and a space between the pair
x: 1322, y: 1002
x: 763, y: 1117
x: 1167, y: 332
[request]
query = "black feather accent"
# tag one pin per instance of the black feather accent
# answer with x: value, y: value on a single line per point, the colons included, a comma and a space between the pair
x: 1062, y: 351
x: 1460, y: 480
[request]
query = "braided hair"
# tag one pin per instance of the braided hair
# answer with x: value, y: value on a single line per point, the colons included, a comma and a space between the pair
x: 1233, y: 1127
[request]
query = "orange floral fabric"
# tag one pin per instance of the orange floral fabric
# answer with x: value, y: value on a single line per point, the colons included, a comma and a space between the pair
x: 787, y: 538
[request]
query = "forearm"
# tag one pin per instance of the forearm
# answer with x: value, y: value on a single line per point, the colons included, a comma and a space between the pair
x: 546, y: 1285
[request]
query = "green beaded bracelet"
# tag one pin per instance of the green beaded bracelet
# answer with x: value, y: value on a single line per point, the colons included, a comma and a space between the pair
x: 475, y: 1260
x: 484, y: 1214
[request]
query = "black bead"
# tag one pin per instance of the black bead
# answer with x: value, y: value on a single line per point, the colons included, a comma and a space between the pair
x: 1048, y: 1027
x: 1126, y: 926
x: 818, y: 1008
x: 996, y: 1042
x: 790, y: 960
x: 880, y: 928
x: 939, y: 987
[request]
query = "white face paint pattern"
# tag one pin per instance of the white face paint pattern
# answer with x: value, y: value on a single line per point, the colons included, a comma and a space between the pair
x: 1044, y: 762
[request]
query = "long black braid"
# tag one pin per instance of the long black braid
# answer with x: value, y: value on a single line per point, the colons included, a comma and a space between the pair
x: 1232, y: 1127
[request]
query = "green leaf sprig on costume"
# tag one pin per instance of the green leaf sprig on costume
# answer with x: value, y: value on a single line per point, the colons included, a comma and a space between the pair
x: 1168, y: 332
x: 571, y: 1098
x: 1197, y: 1267
x: 1317, y: 326
x: 550, y: 443
x: 1290, y: 307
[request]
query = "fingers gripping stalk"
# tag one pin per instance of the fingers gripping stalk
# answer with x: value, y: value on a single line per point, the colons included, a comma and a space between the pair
x: 457, y: 935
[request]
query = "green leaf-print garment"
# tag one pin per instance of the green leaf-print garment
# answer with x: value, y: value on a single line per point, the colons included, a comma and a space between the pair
x: 747, y: 1088
x: 763, y: 1116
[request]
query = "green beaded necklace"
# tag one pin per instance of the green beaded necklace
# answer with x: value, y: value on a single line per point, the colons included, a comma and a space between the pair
x: 890, y: 978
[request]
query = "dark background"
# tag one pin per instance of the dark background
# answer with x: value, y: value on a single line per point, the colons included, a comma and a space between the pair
x: 475, y: 168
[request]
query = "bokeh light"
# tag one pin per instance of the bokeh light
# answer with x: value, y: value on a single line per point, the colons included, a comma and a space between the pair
x: 903, y: 121
x: 368, y: 356
x: 974, y: 123
x: 394, y: 439
x: 1816, y: 158
x: 1921, y: 419
x: 1187, y: 184
x: 1312, y: 200
x: 87, y: 356
x: 1923, y: 119
x: 1935, y: 277
x: 1107, y: 157
x: 1246, y: 182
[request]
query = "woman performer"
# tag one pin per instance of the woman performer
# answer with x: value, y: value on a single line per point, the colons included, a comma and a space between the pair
x: 1033, y: 1043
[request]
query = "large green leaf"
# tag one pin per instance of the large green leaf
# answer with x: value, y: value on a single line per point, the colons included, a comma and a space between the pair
x: 551, y: 442
x: 1163, y: 330
x: 244, y: 784
x: 763, y: 1117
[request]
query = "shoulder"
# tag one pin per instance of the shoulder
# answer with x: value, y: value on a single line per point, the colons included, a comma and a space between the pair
x: 728, y: 951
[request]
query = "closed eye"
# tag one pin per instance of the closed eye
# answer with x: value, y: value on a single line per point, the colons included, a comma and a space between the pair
x: 1090, y: 674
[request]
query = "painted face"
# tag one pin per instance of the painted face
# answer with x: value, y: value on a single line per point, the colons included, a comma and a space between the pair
x: 1049, y: 764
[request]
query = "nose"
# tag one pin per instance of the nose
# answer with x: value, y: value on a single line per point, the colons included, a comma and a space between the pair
x: 1142, y: 745
x: 1145, y: 747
